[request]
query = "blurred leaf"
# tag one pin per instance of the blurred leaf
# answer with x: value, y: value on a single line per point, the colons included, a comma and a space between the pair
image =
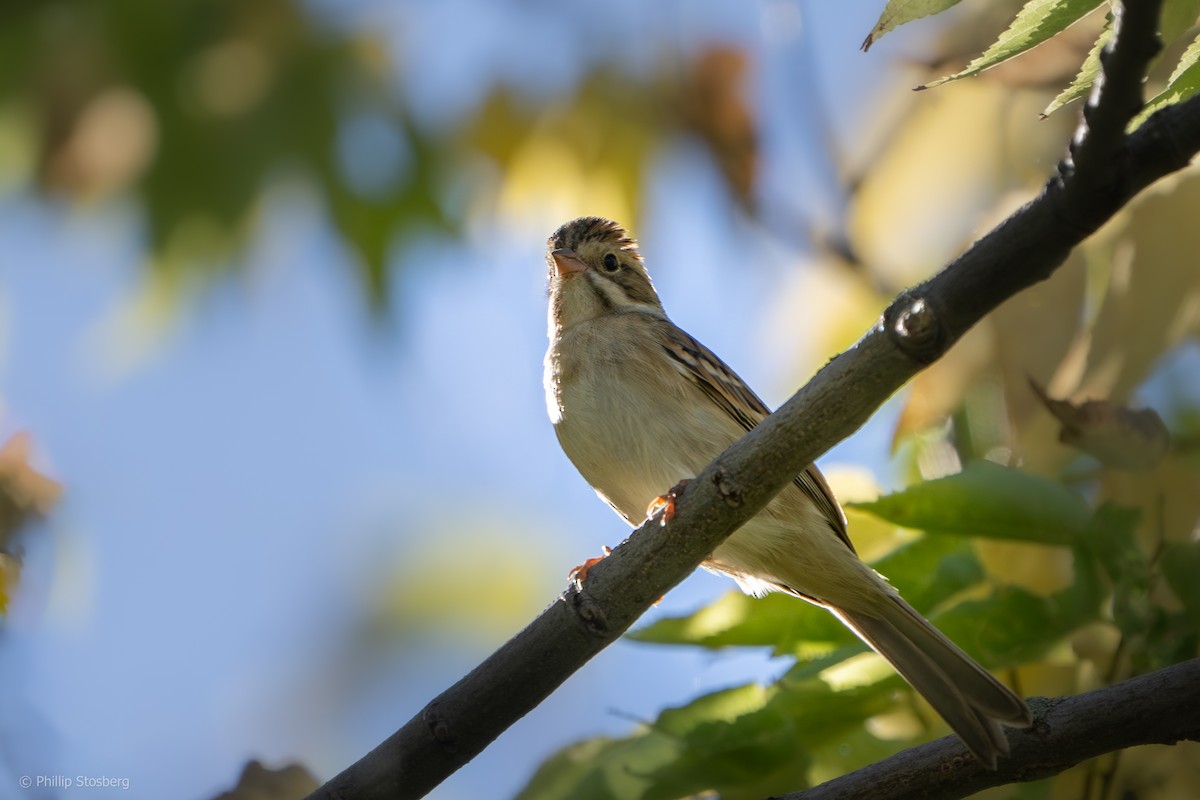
x: 722, y: 706
x: 927, y: 572
x: 931, y: 570
x: 1151, y: 288
x: 257, y: 782
x: 980, y: 384
x: 1183, y: 83
x: 419, y: 592
x: 811, y: 665
x: 1088, y: 72
x: 715, y: 105
x: 1037, y: 21
x: 939, y: 391
x: 986, y: 499
x: 830, y: 718
x: 1032, y: 790
x: 375, y: 223
x: 1111, y: 537
x: 1177, y: 18
x: 1181, y: 567
x: 25, y: 493
x: 25, y: 490
x: 1121, y: 437
x: 854, y: 750
x: 10, y: 575
x: 898, y: 12
x: 1168, y: 638
x: 827, y: 712
x: 198, y: 107
x: 744, y: 743
x: 950, y: 152
x: 586, y: 150
x: 1015, y: 625
x: 710, y: 736
x: 732, y: 741
x: 734, y: 619
x: 600, y: 769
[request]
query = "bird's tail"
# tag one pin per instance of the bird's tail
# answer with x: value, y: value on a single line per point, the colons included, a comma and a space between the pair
x: 972, y: 701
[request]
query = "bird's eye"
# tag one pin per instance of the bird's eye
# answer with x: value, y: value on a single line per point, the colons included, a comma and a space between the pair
x: 610, y: 263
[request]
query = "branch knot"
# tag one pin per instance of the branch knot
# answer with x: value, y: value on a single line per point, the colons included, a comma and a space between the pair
x: 589, y: 612
x: 727, y: 487
x: 438, y: 728
x: 914, y: 327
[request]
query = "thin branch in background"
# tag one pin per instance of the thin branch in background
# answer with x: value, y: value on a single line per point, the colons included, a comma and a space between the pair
x: 1156, y: 708
x: 1104, y: 171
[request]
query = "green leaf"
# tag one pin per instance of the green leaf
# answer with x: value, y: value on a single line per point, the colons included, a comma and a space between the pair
x: 1183, y: 83
x: 731, y: 740
x: 1181, y: 567
x: 733, y: 750
x: 898, y: 12
x: 1037, y: 21
x: 1011, y: 626
x: 927, y: 572
x: 823, y: 713
x: 740, y: 741
x: 1015, y: 625
x: 734, y: 619
x: 598, y: 769
x: 1111, y: 538
x: 1036, y: 790
x: 988, y: 500
x: 1087, y: 74
x: 1177, y: 18
x: 810, y: 666
x: 852, y: 750
x: 931, y: 570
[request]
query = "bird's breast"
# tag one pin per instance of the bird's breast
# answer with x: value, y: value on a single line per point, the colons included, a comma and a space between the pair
x: 627, y: 420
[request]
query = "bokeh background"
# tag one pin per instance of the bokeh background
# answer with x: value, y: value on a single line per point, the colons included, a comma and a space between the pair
x: 272, y: 319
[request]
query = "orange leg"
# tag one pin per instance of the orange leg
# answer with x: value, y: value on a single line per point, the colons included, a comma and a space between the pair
x: 579, y: 574
x: 665, y: 503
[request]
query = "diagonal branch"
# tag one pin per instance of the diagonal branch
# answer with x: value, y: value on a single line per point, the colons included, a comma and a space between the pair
x: 1105, y: 170
x: 1158, y: 708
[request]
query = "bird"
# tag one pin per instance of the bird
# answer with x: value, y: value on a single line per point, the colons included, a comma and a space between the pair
x: 640, y: 406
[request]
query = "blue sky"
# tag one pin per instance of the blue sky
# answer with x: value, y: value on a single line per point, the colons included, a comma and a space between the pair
x: 240, y: 495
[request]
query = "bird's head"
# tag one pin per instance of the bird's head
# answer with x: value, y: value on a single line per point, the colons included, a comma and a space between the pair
x: 595, y: 269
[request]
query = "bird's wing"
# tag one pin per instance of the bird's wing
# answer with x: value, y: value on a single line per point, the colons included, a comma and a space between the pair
x: 723, y: 386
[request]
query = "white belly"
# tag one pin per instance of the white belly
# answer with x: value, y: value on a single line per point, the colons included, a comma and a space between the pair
x: 633, y: 435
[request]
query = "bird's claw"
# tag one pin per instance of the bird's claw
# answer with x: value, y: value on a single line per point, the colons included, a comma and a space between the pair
x: 579, y: 574
x: 665, y: 503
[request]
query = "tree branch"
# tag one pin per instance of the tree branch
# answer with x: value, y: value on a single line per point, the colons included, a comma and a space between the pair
x: 1105, y: 170
x: 1158, y: 708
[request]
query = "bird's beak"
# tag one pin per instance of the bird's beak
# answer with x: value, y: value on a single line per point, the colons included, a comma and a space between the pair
x: 567, y: 263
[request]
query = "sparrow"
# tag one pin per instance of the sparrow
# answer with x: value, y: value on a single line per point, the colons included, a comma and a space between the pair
x: 640, y: 406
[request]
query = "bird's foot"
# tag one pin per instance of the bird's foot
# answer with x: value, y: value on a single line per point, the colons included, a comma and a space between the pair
x: 579, y: 574
x: 665, y: 503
